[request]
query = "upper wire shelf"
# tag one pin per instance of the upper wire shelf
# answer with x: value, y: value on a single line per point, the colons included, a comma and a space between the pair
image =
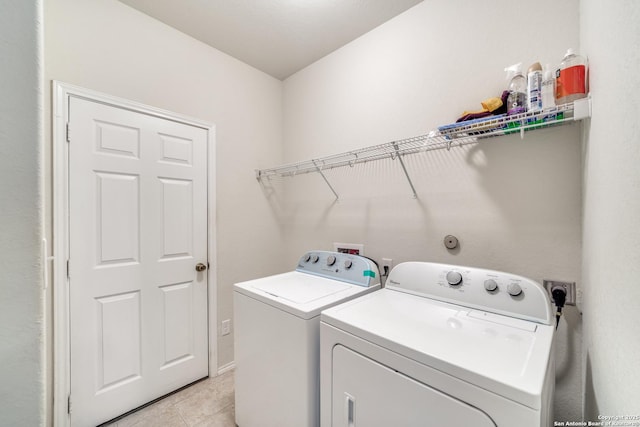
x: 445, y: 137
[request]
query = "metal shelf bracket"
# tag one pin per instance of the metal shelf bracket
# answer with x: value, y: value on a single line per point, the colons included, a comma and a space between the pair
x: 404, y: 169
x: 325, y: 178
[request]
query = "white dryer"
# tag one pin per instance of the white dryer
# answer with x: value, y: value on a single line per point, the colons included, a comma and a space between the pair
x: 441, y: 345
x: 277, y: 336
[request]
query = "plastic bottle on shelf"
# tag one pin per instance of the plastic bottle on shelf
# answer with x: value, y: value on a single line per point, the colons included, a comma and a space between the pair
x: 517, y: 99
x: 571, y: 78
x: 534, y: 87
x: 548, y: 88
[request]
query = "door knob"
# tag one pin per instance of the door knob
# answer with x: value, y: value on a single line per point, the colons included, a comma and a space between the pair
x: 200, y: 267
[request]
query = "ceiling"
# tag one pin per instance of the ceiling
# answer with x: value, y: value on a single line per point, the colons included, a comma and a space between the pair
x: 278, y: 37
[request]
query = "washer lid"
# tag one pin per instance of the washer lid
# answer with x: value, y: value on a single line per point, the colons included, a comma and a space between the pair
x: 505, y: 355
x: 301, y: 294
x: 300, y: 289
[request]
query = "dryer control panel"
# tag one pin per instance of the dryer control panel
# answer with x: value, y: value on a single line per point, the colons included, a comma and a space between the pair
x: 482, y: 289
x: 348, y: 268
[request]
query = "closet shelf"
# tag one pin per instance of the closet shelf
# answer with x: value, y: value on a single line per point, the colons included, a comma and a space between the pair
x: 445, y: 137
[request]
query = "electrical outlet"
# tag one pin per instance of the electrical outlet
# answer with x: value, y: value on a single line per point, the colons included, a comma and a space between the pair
x: 387, y: 264
x: 569, y: 287
x: 226, y: 327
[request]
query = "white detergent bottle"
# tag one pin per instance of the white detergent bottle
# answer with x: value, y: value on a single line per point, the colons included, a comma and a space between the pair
x: 534, y: 87
x: 548, y: 88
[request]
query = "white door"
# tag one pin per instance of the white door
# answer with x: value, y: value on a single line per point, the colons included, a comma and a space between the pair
x: 137, y: 230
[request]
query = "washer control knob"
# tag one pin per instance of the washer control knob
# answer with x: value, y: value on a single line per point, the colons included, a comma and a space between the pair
x: 348, y: 263
x: 454, y: 277
x: 314, y: 258
x: 307, y: 257
x: 331, y: 260
x: 490, y: 285
x: 514, y: 289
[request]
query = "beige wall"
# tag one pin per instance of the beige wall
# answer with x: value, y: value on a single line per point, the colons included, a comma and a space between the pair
x: 109, y: 47
x: 514, y: 204
x: 22, y: 332
x: 611, y: 254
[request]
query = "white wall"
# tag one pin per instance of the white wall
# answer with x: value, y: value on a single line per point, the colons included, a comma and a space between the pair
x: 109, y: 47
x: 515, y: 205
x: 611, y: 254
x: 22, y: 348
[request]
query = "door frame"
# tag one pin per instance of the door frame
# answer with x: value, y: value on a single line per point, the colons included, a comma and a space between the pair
x: 61, y: 93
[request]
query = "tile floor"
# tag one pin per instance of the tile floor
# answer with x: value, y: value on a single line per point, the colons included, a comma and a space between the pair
x: 208, y: 403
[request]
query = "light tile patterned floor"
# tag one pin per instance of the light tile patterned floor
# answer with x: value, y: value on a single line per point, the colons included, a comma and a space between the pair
x: 208, y: 403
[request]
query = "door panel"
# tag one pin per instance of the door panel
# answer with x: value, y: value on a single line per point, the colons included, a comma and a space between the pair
x: 177, y: 329
x: 118, y: 218
x: 366, y: 393
x: 137, y: 228
x: 177, y: 215
x: 176, y: 150
x: 117, y: 139
x: 118, y: 335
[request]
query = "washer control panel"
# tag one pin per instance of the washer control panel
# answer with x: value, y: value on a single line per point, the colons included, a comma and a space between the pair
x: 348, y: 268
x: 487, y: 290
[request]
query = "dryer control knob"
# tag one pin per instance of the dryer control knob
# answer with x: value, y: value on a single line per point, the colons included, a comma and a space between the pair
x: 331, y: 260
x: 514, y: 289
x: 307, y: 257
x: 348, y: 263
x: 490, y: 285
x: 454, y: 277
x: 314, y: 258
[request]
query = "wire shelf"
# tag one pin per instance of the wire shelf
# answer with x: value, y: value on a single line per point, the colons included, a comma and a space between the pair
x: 445, y: 137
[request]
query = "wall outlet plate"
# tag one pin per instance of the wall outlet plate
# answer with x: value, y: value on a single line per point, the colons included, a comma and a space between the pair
x: 226, y: 327
x: 569, y: 287
x: 349, y: 248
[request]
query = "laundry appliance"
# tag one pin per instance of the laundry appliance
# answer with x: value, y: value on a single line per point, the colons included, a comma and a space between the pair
x: 440, y: 345
x: 277, y: 327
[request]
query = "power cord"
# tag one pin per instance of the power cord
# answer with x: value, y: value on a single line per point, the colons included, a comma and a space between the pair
x: 385, y: 272
x: 559, y: 295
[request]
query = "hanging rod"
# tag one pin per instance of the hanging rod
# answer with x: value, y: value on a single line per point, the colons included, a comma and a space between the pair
x: 445, y: 137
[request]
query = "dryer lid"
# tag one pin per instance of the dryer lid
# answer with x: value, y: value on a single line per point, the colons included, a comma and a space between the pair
x: 502, y: 354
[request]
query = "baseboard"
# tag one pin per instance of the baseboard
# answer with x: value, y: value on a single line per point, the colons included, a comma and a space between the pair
x: 226, y: 368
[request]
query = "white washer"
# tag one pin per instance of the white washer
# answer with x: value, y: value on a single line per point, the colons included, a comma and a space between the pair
x: 441, y: 345
x: 277, y: 327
